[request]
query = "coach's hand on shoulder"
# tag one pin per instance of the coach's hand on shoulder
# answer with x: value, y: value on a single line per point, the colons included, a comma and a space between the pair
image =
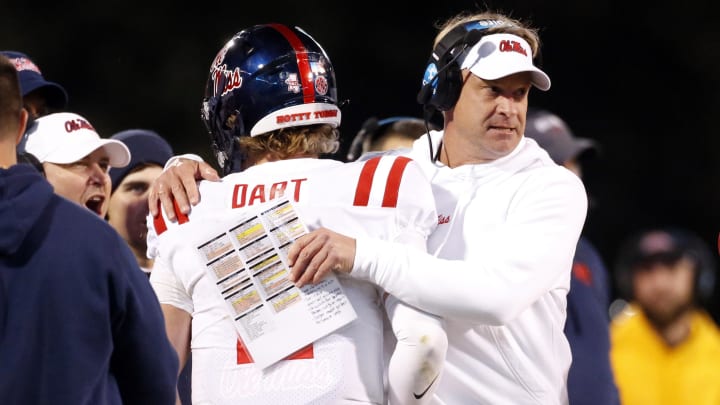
x: 178, y: 182
x: 313, y: 256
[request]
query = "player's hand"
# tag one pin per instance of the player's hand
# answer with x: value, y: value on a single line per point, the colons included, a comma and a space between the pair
x: 313, y: 256
x: 179, y: 183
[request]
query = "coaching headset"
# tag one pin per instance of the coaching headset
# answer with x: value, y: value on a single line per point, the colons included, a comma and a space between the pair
x: 681, y: 243
x: 443, y: 78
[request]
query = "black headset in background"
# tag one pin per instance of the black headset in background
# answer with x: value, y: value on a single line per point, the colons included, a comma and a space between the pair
x: 689, y: 243
x: 371, y: 129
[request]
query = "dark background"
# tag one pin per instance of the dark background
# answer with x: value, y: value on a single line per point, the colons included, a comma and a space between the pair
x: 639, y: 78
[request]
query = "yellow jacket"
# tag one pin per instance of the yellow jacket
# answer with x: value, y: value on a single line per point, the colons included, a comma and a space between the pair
x: 648, y: 372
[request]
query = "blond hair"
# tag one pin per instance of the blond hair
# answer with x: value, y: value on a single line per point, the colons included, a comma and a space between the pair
x: 509, y: 26
x: 308, y: 140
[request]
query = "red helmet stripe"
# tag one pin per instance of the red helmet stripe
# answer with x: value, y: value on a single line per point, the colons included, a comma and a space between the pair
x: 302, y: 61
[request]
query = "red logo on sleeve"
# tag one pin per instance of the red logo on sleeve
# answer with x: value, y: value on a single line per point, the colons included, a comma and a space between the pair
x: 582, y: 273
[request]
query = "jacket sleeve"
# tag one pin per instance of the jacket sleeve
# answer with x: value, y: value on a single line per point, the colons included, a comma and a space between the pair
x: 167, y: 286
x: 515, y: 263
x: 416, y: 213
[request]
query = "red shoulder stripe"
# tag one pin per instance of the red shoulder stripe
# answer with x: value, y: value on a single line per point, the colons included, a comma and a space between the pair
x: 159, y: 220
x: 392, y: 187
x: 182, y: 218
x: 362, y: 192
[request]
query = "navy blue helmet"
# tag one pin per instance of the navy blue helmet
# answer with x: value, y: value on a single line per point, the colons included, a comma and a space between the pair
x: 267, y: 77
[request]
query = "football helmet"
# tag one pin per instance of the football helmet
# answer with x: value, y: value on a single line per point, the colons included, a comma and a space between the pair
x: 267, y: 77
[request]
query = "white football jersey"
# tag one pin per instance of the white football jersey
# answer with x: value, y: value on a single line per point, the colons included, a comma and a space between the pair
x: 386, y: 197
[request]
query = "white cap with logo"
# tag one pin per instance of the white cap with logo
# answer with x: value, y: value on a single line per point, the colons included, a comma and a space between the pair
x: 498, y: 55
x: 67, y: 137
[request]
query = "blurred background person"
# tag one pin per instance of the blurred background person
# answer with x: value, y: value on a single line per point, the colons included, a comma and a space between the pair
x: 590, y: 379
x: 665, y: 346
x: 75, y: 159
x: 128, y: 207
x: 40, y: 96
x: 386, y: 134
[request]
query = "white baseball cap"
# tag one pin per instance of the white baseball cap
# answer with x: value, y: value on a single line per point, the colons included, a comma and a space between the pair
x: 499, y: 55
x: 67, y: 137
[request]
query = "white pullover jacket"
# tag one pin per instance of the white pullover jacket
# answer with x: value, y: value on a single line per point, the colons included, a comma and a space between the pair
x: 498, y: 270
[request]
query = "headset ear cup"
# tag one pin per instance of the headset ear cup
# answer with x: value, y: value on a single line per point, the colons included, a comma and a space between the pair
x: 446, y: 90
x: 449, y: 86
x: 367, y: 131
x: 430, y: 80
x: 425, y: 94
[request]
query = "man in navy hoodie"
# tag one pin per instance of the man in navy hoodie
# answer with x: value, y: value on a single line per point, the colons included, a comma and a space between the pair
x: 79, y: 322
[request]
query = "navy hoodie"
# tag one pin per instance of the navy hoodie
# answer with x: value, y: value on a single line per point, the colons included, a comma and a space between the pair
x: 79, y: 322
x: 591, y: 379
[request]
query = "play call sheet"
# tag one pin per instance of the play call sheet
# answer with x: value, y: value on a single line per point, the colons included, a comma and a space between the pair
x: 247, y: 259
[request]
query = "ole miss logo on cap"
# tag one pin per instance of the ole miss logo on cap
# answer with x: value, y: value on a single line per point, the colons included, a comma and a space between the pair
x: 512, y: 46
x: 25, y: 64
x: 76, y: 124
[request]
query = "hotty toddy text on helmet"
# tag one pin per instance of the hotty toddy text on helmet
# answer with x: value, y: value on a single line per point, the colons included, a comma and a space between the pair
x: 305, y: 116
